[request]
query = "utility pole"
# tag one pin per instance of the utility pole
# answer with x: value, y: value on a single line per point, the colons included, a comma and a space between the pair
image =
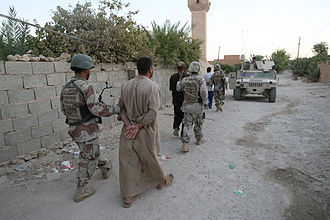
x: 218, y: 53
x: 296, y: 74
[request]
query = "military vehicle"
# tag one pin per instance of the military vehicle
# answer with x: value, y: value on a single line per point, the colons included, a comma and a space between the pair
x: 254, y: 78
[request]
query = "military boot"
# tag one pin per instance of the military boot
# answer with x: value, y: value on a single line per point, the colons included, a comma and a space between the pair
x: 199, y: 141
x: 220, y: 109
x: 105, y: 169
x: 217, y: 108
x: 83, y: 192
x: 185, y: 148
x: 176, y: 132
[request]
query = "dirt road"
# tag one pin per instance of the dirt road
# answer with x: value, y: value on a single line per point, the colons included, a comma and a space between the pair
x: 281, y: 151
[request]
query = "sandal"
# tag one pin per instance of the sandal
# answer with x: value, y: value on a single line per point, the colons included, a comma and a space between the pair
x: 129, y: 203
x: 168, y: 181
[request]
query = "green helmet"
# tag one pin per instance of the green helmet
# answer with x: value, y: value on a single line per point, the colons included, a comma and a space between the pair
x: 82, y: 61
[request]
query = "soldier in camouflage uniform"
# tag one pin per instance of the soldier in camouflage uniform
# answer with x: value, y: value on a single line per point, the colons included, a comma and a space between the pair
x: 83, y: 110
x: 195, y: 97
x: 219, y: 81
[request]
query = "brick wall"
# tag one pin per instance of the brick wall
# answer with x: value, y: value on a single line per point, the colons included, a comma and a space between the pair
x: 325, y: 71
x: 30, y: 115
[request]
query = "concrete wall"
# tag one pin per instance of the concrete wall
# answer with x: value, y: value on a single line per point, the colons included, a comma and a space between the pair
x: 30, y: 115
x: 325, y: 71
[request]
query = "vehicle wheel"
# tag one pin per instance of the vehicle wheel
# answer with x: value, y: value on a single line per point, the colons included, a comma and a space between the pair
x: 272, y: 96
x: 237, y: 93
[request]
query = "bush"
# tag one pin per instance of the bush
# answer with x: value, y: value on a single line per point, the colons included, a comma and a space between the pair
x: 228, y: 68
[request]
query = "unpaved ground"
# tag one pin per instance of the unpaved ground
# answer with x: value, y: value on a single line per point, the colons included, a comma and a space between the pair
x: 281, y: 151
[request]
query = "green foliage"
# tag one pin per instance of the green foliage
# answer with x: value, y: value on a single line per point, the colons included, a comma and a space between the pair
x: 172, y: 43
x: 228, y: 68
x: 258, y: 57
x: 321, y: 49
x: 281, y: 59
x: 307, y: 67
x: 13, y: 36
x: 118, y: 37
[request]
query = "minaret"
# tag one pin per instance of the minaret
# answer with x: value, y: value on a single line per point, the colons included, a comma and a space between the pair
x: 198, y: 9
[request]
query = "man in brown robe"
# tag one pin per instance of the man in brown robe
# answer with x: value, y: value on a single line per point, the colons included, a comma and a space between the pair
x: 139, y: 168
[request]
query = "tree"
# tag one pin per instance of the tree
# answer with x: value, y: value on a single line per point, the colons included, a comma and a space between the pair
x: 13, y: 36
x: 281, y: 59
x: 321, y: 49
x: 117, y: 37
x: 172, y: 43
x: 258, y: 57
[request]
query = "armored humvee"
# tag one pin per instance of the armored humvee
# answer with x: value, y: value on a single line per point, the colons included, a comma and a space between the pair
x: 254, y: 78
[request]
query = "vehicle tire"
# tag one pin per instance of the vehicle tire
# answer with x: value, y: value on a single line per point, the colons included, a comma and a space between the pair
x: 237, y: 93
x: 272, y: 96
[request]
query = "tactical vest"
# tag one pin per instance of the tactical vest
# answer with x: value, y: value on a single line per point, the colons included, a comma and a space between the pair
x: 217, y: 80
x: 76, y: 112
x: 191, y: 89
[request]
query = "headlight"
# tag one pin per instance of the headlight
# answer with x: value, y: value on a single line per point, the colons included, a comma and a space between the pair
x: 246, y: 84
x: 265, y: 84
x: 270, y: 82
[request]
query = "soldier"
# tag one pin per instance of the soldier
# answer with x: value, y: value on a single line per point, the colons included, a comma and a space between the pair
x: 195, y: 96
x: 219, y: 81
x: 83, y: 110
x: 253, y: 64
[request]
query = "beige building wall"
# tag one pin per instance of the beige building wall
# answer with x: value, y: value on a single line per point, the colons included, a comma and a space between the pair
x: 229, y: 60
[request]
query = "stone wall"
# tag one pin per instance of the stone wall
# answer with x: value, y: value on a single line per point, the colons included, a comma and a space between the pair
x: 325, y: 71
x: 30, y: 115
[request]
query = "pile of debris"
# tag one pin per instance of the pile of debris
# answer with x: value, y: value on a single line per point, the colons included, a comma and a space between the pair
x: 65, y: 57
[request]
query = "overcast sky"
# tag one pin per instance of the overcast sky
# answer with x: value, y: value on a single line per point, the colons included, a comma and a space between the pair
x: 237, y: 26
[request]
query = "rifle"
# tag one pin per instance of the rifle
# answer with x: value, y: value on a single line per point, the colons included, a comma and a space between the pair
x: 107, y: 86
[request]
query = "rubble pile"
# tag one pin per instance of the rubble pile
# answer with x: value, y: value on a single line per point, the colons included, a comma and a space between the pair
x: 64, y: 57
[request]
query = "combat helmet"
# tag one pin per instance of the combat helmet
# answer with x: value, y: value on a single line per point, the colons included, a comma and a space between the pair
x: 194, y: 67
x: 217, y: 67
x: 82, y: 61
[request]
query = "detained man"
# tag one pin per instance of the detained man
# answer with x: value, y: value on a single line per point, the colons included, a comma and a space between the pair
x: 139, y: 168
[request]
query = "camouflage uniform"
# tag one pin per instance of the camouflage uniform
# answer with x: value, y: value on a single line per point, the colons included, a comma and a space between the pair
x: 83, y: 125
x: 195, y: 96
x: 219, y: 81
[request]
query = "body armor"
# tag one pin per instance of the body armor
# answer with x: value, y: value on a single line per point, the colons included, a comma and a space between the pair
x: 218, y: 80
x: 75, y: 109
x: 191, y: 89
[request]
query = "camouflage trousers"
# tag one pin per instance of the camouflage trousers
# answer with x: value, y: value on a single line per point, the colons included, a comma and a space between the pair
x: 219, y: 97
x: 188, y: 121
x: 89, y: 160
